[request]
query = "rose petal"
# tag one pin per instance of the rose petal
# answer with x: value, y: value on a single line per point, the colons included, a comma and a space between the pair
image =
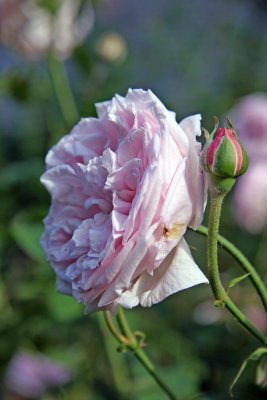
x: 177, y: 272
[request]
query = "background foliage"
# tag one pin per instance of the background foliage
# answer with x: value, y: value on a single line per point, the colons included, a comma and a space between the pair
x: 197, y: 56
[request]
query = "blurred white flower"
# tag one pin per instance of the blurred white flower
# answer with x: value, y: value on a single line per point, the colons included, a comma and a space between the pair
x: 34, y: 30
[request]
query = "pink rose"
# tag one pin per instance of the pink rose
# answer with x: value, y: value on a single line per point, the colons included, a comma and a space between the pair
x: 125, y: 186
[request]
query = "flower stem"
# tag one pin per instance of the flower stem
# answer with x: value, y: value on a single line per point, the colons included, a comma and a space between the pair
x: 127, y: 338
x: 61, y: 85
x: 244, y: 263
x: 119, y: 372
x: 117, y: 335
x: 215, y: 281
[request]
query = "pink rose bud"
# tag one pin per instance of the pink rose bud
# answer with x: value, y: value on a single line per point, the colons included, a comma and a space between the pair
x: 224, y: 158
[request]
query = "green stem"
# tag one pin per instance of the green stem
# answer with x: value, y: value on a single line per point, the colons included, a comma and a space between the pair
x: 244, y: 263
x: 61, y: 85
x: 141, y: 355
x: 129, y: 340
x: 117, y: 335
x: 119, y: 371
x: 215, y: 281
x: 124, y: 326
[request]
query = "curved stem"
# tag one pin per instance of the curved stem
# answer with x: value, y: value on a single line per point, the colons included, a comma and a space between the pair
x: 117, y: 364
x: 141, y: 355
x: 215, y: 281
x: 62, y: 89
x: 124, y: 326
x: 243, y: 261
x: 128, y: 338
x: 117, y: 335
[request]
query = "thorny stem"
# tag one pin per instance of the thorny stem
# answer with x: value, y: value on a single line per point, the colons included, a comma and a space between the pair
x: 117, y: 335
x: 117, y: 364
x: 215, y: 281
x: 244, y: 263
x: 128, y: 339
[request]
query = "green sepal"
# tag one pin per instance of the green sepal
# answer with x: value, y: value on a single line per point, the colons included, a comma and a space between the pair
x: 235, y: 281
x: 230, y: 124
x: 216, y: 125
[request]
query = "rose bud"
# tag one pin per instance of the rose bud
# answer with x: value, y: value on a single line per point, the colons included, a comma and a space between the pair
x: 224, y: 158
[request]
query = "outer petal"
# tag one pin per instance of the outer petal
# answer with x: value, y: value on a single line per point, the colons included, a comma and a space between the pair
x: 177, y: 272
x: 191, y: 125
x: 197, y: 182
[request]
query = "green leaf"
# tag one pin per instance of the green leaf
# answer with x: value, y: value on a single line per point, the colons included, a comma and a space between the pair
x: 255, y: 356
x: 235, y: 281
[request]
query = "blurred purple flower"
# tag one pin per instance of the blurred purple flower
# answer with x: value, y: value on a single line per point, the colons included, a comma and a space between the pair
x: 31, y: 376
x: 249, y: 117
x: 250, y: 198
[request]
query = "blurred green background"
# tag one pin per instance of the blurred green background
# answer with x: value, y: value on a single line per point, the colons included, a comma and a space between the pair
x: 197, y: 56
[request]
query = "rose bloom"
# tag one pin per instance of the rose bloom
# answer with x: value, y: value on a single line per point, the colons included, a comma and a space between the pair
x: 125, y: 186
x: 31, y: 376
